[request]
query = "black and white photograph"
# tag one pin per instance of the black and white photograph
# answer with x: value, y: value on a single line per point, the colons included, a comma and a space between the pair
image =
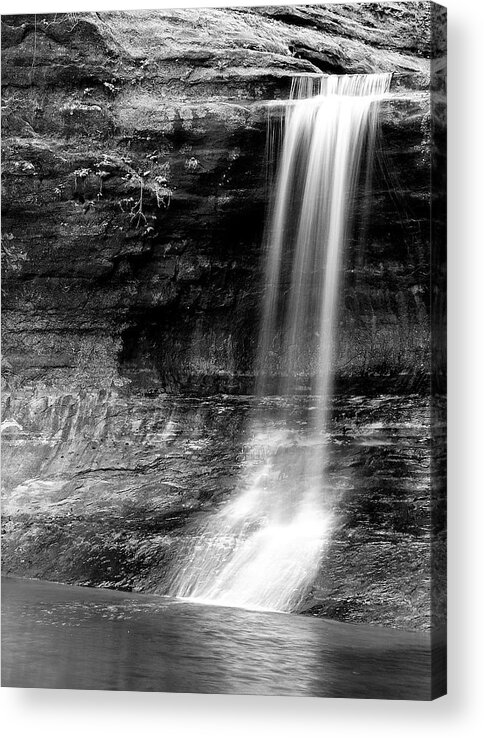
x: 224, y: 369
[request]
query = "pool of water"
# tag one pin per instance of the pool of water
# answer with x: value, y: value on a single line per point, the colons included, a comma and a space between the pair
x: 66, y: 637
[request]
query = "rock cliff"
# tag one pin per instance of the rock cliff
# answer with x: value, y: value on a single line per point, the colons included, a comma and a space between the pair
x: 133, y: 203
x: 134, y: 189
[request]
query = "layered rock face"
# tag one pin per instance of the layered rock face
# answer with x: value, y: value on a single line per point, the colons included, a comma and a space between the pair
x: 134, y: 189
x: 134, y: 196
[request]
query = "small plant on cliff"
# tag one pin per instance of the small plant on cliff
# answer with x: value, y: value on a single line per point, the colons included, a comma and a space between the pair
x: 102, y: 174
x: 81, y: 174
x: 150, y: 185
x: 137, y: 215
x: 162, y: 192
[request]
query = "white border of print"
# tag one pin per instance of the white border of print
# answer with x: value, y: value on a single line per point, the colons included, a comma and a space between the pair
x: 75, y: 713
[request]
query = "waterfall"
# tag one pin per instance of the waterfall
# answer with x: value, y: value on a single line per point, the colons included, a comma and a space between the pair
x: 263, y: 548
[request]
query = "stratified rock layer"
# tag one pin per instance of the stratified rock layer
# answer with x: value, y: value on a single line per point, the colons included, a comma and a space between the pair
x: 134, y: 190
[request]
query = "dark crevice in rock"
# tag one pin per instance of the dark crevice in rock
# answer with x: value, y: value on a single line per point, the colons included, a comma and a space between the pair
x: 321, y: 62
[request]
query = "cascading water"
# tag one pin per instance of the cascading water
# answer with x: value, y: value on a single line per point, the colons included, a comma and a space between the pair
x: 263, y: 548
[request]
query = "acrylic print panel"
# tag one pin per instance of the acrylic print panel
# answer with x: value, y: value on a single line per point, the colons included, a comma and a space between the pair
x: 224, y: 350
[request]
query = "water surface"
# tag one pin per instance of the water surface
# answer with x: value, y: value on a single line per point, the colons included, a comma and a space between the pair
x: 58, y: 636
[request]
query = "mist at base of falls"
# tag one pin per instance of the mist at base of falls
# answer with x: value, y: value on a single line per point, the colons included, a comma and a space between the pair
x: 263, y: 548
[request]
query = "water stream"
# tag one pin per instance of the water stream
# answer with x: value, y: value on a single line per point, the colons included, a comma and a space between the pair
x: 263, y: 549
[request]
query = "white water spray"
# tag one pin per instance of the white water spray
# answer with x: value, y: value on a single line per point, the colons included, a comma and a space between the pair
x: 263, y: 549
